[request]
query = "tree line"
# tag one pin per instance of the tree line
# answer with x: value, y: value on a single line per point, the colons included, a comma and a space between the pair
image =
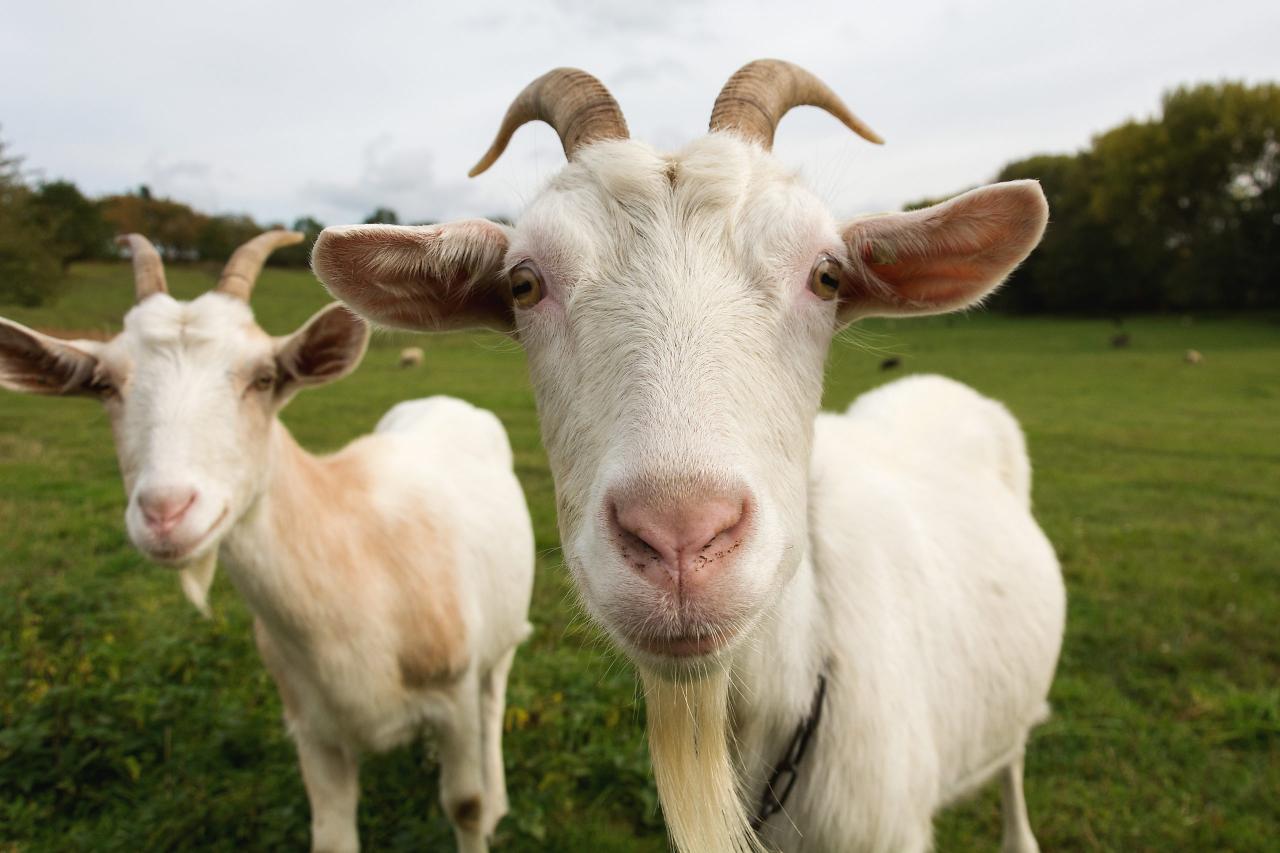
x: 46, y: 226
x: 1177, y: 212
x: 1173, y: 213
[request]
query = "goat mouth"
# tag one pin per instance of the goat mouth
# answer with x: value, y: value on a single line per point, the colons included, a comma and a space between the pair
x: 682, y: 645
x: 177, y: 556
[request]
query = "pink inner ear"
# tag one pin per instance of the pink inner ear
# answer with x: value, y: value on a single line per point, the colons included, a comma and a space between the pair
x: 38, y: 364
x: 331, y: 345
x: 428, y: 278
x: 932, y: 281
x: 946, y: 256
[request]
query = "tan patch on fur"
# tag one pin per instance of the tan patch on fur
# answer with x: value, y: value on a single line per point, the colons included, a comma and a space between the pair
x: 347, y: 543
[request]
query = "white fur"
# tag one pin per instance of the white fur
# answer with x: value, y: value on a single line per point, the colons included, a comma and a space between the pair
x: 937, y: 606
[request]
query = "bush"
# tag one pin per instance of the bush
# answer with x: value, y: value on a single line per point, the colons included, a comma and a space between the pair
x: 73, y: 223
x: 30, y: 269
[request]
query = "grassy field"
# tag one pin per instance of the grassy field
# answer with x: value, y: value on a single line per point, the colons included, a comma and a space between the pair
x: 130, y: 723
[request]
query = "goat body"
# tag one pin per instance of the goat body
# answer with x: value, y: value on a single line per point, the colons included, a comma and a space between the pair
x: 389, y: 584
x: 934, y: 605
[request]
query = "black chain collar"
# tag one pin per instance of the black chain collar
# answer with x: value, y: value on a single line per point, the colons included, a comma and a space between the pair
x: 785, y: 773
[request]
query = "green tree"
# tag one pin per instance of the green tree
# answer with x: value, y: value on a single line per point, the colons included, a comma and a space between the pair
x: 29, y: 269
x: 308, y: 225
x: 74, y: 223
x: 1180, y: 211
x: 219, y: 236
x: 299, y: 255
x: 1079, y: 265
x: 382, y: 216
x: 175, y: 228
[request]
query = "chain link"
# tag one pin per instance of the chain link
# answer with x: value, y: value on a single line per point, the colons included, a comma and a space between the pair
x: 786, y: 772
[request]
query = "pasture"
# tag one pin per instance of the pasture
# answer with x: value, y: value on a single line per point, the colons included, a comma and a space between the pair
x: 128, y: 722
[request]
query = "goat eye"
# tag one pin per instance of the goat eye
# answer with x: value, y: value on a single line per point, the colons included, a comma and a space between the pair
x: 526, y: 286
x: 264, y: 382
x: 824, y: 281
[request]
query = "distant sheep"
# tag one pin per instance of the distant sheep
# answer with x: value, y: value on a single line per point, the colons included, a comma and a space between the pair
x: 411, y: 357
x: 1193, y: 356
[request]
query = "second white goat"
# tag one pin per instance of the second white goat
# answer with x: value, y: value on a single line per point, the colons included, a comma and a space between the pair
x: 389, y: 582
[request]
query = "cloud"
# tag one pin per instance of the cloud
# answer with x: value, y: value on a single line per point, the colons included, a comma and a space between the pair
x: 601, y: 17
x: 334, y: 109
x: 195, y: 182
x: 401, y: 178
x: 648, y: 72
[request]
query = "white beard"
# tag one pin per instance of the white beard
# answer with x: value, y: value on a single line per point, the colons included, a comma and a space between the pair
x: 689, y: 748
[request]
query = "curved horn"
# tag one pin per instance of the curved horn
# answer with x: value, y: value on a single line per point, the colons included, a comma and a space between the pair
x: 573, y: 102
x: 148, y: 269
x: 757, y: 97
x: 246, y: 262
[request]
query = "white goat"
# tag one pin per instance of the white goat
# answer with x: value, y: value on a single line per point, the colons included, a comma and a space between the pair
x: 389, y: 582
x: 875, y: 583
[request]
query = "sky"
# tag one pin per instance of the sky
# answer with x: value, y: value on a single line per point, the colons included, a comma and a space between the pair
x: 331, y: 109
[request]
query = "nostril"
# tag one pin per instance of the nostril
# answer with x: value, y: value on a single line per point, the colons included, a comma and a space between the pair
x: 723, y: 519
x: 163, y: 509
x: 677, y: 530
x: 642, y: 544
x: 638, y: 534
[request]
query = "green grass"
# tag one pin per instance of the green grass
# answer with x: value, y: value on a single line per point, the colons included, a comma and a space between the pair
x: 130, y: 723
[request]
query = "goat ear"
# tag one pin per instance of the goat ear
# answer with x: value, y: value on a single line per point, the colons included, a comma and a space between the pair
x: 327, y: 347
x: 943, y: 257
x: 33, y: 363
x: 430, y: 278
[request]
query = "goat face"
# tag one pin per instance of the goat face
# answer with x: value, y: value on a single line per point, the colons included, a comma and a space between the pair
x: 676, y: 311
x: 192, y: 397
x: 191, y: 390
x: 676, y: 354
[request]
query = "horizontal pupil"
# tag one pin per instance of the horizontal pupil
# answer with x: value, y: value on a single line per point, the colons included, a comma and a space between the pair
x: 828, y: 280
x: 520, y: 288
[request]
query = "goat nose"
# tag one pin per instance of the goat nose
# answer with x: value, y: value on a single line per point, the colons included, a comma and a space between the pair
x: 681, y: 545
x: 164, y: 508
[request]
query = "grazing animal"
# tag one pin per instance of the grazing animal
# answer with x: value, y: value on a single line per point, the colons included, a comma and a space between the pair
x: 1193, y: 356
x: 411, y: 357
x: 389, y: 582
x: 1120, y: 341
x: 891, y: 363
x: 870, y: 584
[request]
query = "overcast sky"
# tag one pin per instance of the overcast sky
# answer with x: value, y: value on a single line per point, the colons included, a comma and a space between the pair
x: 331, y: 109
